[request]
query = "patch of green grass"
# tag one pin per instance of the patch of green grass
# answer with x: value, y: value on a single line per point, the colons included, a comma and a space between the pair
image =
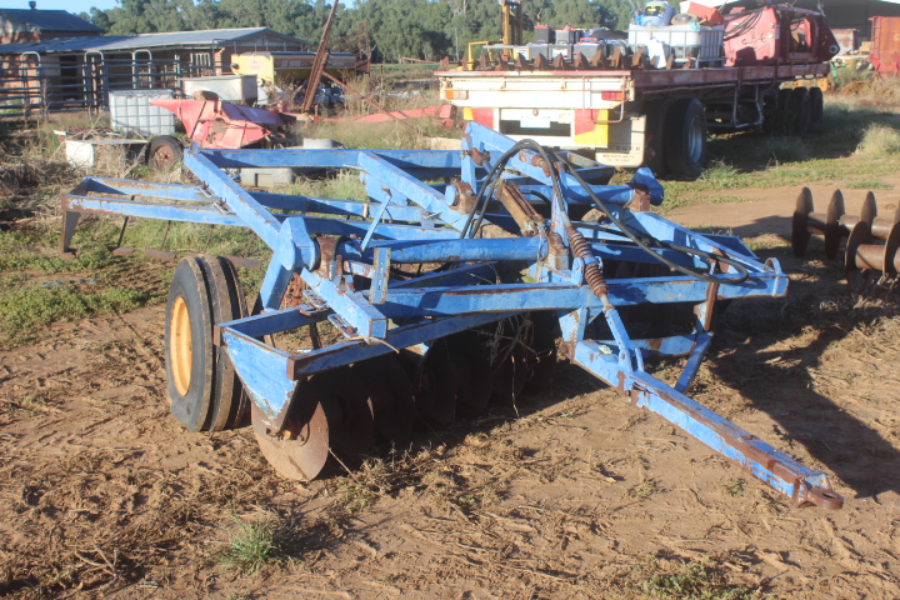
x: 357, y: 498
x: 868, y: 185
x: 735, y: 488
x: 346, y: 185
x: 720, y: 175
x: 643, y: 491
x: 880, y: 141
x: 256, y: 545
x: 684, y: 581
x: 30, y: 406
x: 724, y: 199
x: 26, y: 308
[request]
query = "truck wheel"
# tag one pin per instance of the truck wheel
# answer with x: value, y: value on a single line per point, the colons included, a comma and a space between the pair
x: 799, y: 111
x: 204, y: 392
x: 685, y: 139
x: 165, y: 152
x: 655, y: 154
x: 782, y: 122
x: 816, y: 108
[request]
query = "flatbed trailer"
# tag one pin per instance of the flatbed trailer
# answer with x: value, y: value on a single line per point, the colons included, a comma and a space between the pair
x: 657, y: 118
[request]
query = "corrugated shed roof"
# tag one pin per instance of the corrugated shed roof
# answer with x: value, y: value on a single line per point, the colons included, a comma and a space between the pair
x: 49, y: 20
x: 110, y: 43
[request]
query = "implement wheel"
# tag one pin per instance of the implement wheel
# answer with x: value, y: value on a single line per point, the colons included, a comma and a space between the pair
x: 165, y: 152
x: 204, y: 391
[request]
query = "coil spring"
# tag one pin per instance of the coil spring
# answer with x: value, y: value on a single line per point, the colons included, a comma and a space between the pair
x: 592, y: 272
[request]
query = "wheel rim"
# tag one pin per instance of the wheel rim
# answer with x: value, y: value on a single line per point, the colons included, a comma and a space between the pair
x: 180, y: 346
x: 163, y: 157
x: 695, y: 140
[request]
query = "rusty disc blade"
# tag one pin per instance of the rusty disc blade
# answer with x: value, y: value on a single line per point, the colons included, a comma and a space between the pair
x: 472, y: 363
x: 301, y: 451
x: 833, y: 231
x: 799, y: 226
x: 391, y: 394
x: 869, y: 210
x: 436, y: 387
x: 541, y: 357
x: 510, y: 377
x: 349, y: 412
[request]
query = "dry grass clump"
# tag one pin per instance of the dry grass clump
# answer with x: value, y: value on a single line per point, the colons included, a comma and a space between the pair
x: 880, y: 141
x: 19, y: 177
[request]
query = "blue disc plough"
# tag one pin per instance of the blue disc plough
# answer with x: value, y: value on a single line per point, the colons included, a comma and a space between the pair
x: 457, y: 283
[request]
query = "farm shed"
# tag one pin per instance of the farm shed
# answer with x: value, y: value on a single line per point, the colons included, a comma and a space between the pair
x: 32, y: 25
x: 73, y: 73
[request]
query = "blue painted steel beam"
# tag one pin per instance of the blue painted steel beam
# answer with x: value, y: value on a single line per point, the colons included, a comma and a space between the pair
x: 169, y: 212
x: 457, y: 250
x: 547, y: 296
x: 238, y: 199
x: 761, y: 460
x: 413, y: 189
x: 310, y: 204
x: 386, y: 230
x: 408, y: 160
x: 165, y: 191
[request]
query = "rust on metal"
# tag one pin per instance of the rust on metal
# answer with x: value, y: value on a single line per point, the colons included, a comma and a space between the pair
x: 520, y: 209
x: 479, y: 157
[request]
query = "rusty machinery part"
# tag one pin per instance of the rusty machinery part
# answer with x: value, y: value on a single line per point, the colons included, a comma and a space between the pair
x: 863, y: 255
x: 165, y: 152
x: 592, y: 272
x: 461, y: 375
x: 392, y: 396
x: 834, y: 224
x: 340, y: 421
x: 620, y: 58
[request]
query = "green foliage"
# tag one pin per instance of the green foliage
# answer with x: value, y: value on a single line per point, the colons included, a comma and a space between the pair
x: 23, y: 309
x: 425, y: 29
x: 643, y: 491
x: 686, y: 581
x: 256, y: 545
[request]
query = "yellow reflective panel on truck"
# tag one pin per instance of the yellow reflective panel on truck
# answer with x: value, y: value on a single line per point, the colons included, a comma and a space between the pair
x: 592, y: 128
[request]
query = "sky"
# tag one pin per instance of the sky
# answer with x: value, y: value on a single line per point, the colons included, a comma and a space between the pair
x: 73, y: 6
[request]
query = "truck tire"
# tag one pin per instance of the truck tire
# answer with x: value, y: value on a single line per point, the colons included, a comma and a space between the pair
x: 655, y: 153
x: 685, y: 139
x: 800, y: 112
x: 816, y: 108
x: 165, y: 152
x: 204, y: 391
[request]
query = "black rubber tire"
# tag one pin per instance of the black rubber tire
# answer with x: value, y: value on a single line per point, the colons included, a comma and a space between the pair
x: 782, y: 122
x: 800, y: 112
x: 655, y: 154
x: 817, y: 108
x: 229, y: 407
x: 170, y: 151
x: 191, y: 406
x: 685, y: 139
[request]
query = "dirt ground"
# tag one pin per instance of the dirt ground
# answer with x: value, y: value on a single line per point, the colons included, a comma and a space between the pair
x: 577, y: 496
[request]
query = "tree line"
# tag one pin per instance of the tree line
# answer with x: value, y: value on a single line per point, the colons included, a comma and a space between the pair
x: 423, y: 29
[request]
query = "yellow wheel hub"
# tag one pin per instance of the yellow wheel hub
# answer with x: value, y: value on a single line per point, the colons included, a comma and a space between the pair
x: 180, y: 346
